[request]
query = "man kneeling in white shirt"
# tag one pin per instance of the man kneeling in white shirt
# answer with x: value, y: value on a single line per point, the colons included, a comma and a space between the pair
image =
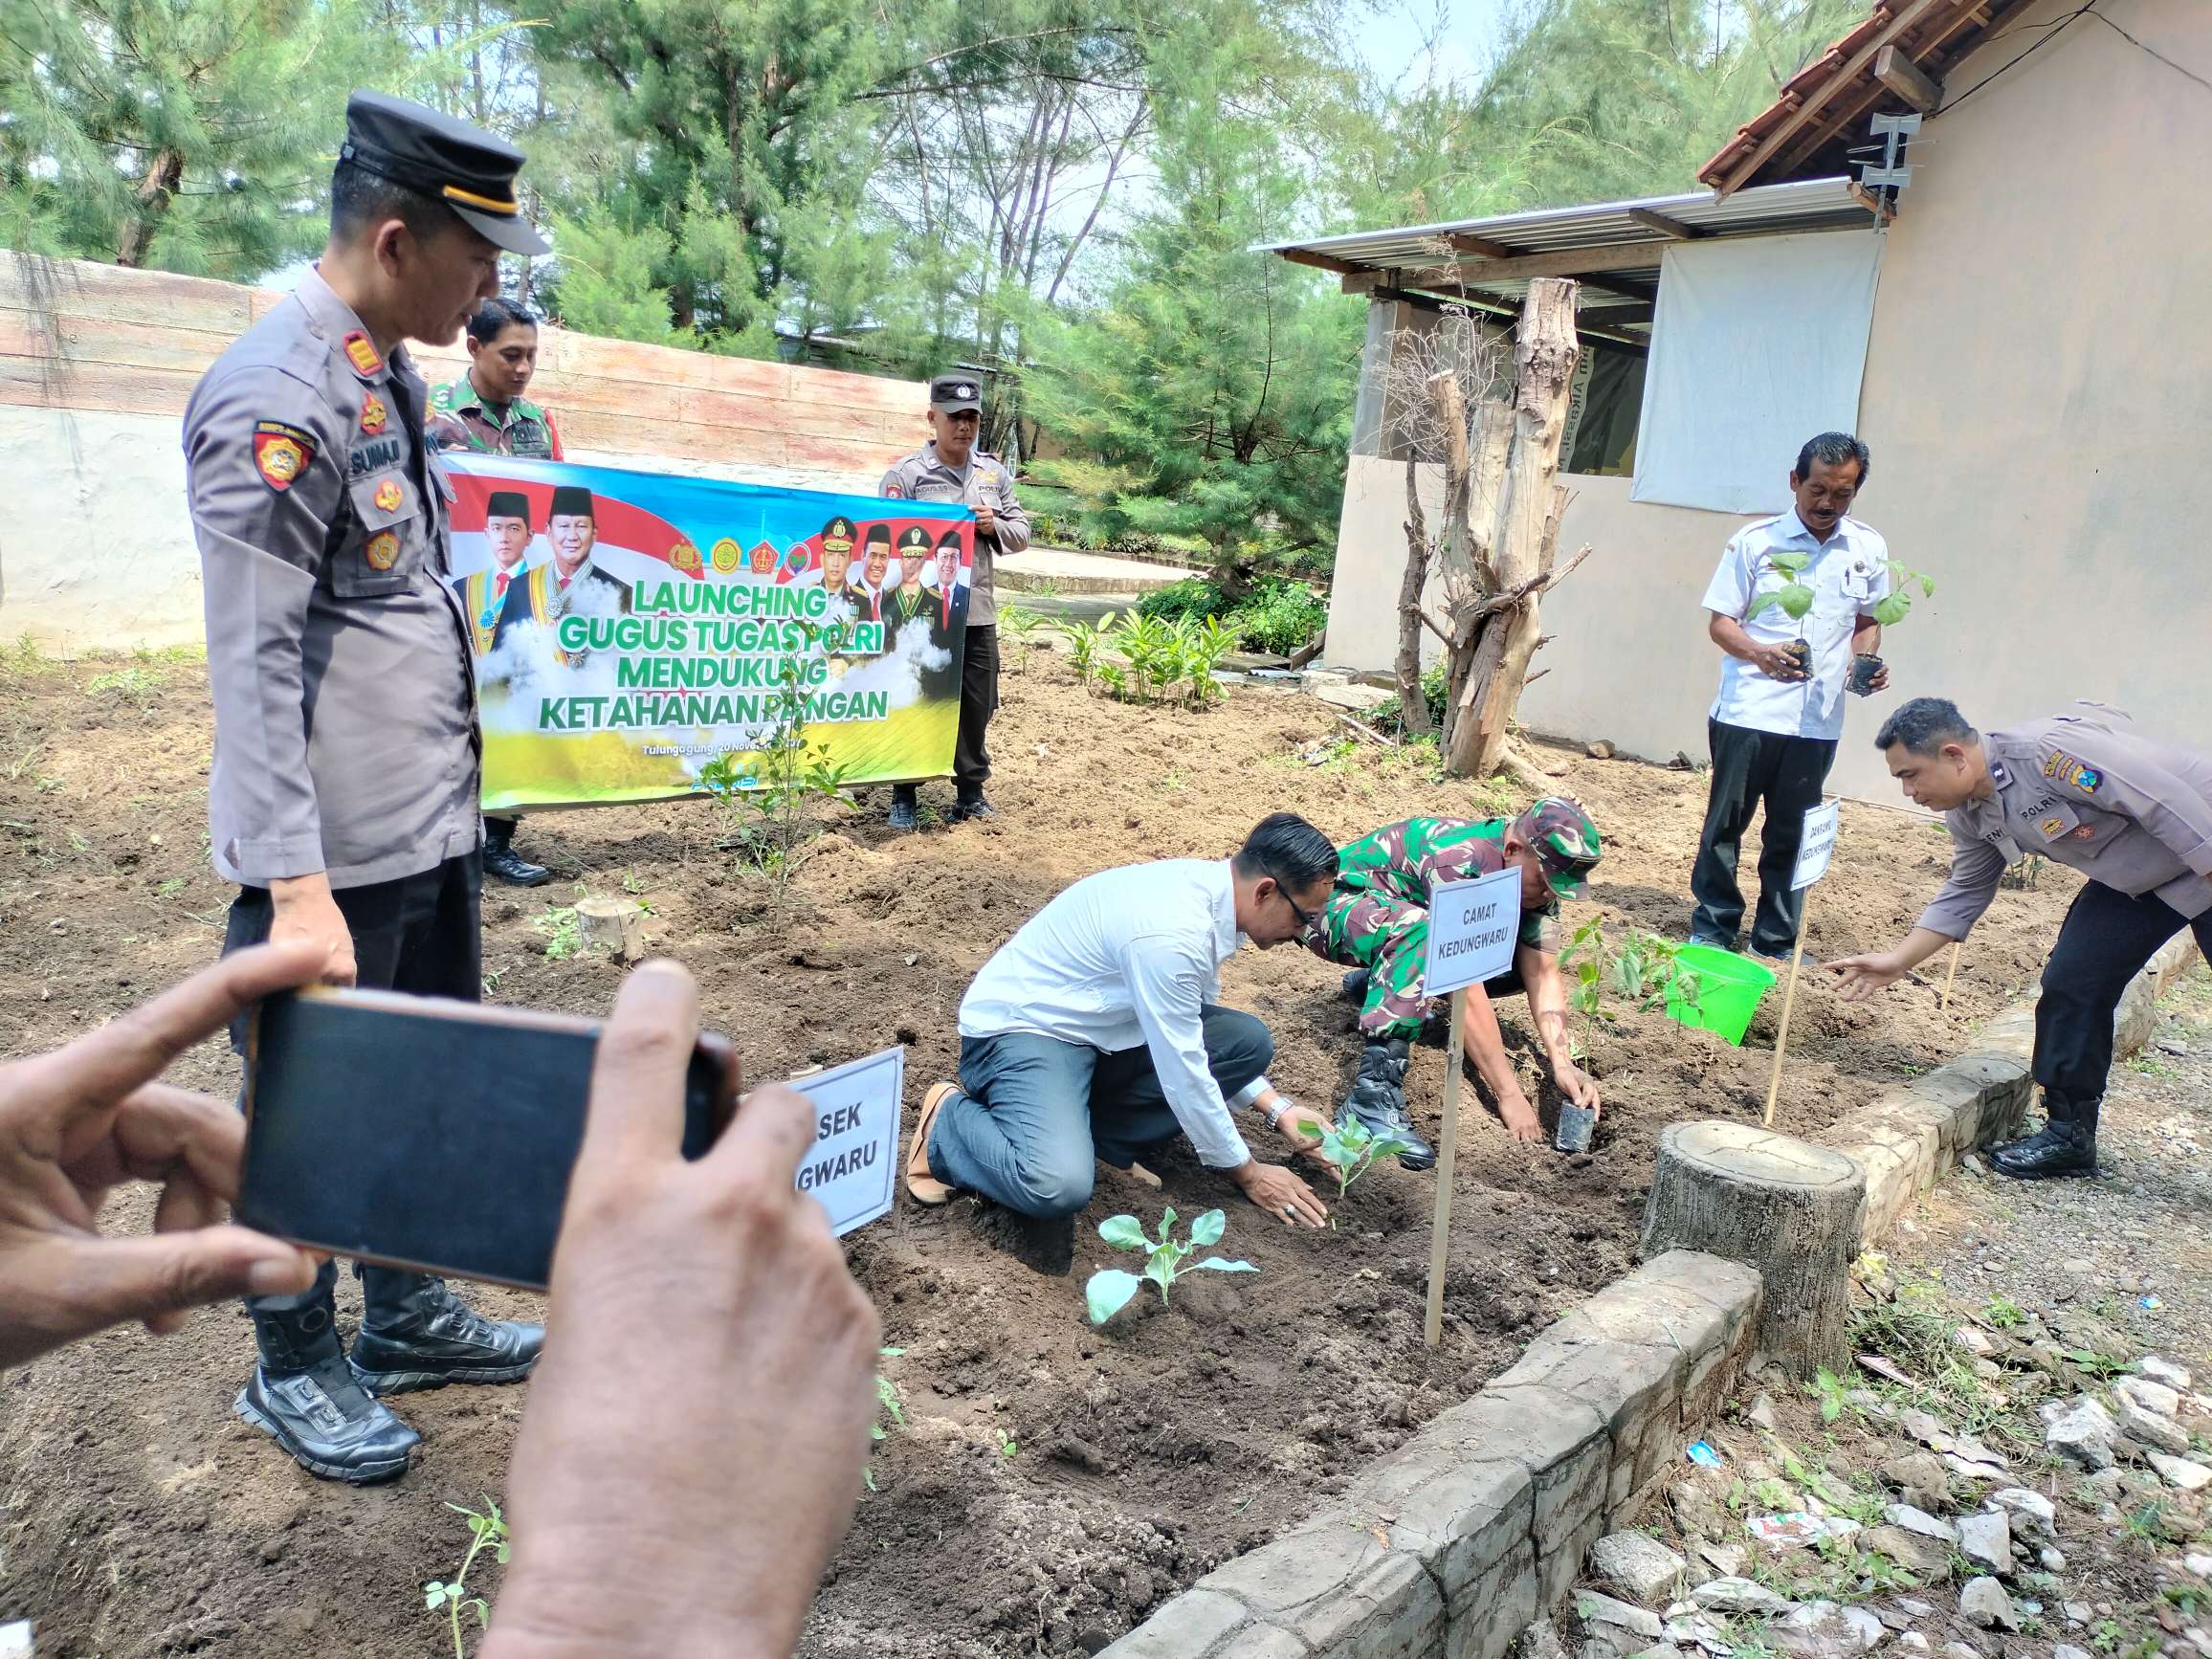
x: 1096, y: 1033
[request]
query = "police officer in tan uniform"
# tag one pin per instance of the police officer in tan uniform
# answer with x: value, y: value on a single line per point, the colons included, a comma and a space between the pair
x: 343, y: 798
x: 950, y: 468
x: 2087, y: 789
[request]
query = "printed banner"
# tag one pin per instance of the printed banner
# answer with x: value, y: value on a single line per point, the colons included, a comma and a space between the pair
x: 631, y: 628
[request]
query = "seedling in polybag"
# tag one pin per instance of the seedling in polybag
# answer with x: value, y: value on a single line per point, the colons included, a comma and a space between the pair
x: 1109, y: 1289
x: 1350, y: 1149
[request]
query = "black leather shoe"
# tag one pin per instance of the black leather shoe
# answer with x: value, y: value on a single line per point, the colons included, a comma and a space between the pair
x: 1711, y: 938
x: 905, y: 811
x: 1356, y: 984
x: 1377, y: 1102
x: 503, y: 862
x: 2057, y: 1149
x: 972, y: 806
x: 416, y: 1333
x: 303, y: 1396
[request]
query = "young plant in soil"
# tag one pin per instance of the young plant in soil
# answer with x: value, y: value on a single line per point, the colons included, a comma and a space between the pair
x: 1108, y: 1291
x: 487, y: 1531
x: 770, y: 794
x: 1350, y: 1149
x: 888, y: 1404
x: 1020, y: 624
x: 1645, y: 969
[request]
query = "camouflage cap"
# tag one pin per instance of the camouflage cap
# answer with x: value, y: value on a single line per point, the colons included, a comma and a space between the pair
x: 1566, y: 840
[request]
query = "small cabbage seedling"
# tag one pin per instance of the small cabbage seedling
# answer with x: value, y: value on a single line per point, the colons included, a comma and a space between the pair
x: 1109, y: 1289
x: 1352, y: 1149
x: 1795, y: 596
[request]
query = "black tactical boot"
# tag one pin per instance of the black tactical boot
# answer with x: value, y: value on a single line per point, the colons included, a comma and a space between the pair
x: 972, y: 805
x: 416, y: 1333
x: 500, y: 859
x: 1356, y: 986
x: 905, y: 808
x: 303, y: 1396
x: 1377, y: 1102
x: 2067, y: 1144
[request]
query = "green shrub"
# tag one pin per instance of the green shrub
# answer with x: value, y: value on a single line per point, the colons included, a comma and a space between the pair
x: 1278, y: 616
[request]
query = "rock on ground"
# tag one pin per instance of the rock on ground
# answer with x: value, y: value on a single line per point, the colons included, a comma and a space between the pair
x: 1638, y: 1567
x: 1826, y: 1630
x: 1985, y: 1540
x: 1541, y: 1640
x: 1738, y: 1596
x: 2147, y: 1428
x: 1914, y: 1520
x: 2081, y: 1431
x: 1926, y: 1558
x: 2180, y: 1474
x: 1920, y: 1479
x: 2031, y: 1514
x: 1984, y: 1602
x: 1622, y: 1628
x: 2164, y: 1371
x: 2152, y: 1395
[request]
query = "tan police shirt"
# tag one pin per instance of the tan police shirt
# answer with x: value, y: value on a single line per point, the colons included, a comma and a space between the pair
x: 346, y: 707
x: 984, y: 481
x: 2087, y: 790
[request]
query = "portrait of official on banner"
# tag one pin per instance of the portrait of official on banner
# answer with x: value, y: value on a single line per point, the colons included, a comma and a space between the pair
x: 631, y: 628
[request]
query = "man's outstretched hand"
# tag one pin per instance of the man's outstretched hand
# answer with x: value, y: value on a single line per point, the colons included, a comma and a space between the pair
x: 696, y: 1430
x: 1862, y: 976
x: 86, y: 1118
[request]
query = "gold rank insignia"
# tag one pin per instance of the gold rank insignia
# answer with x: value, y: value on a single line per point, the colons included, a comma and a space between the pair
x: 2051, y: 827
x: 363, y: 355
x: 389, y: 496
x: 727, y: 553
x: 280, y: 453
x: 685, y: 558
x: 384, y: 550
x: 373, y: 414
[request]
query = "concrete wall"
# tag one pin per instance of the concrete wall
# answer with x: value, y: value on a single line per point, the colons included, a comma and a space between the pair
x: 2035, y: 399
x: 95, y: 548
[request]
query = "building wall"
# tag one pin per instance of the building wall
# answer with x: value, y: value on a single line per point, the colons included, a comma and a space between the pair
x: 96, y: 547
x: 2039, y: 402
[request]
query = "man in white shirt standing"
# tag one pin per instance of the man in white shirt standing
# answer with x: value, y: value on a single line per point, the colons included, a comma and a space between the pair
x: 1096, y: 1033
x: 1774, y: 726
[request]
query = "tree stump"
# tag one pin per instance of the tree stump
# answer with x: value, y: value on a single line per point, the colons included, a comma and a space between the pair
x: 617, y: 924
x: 1779, y: 1205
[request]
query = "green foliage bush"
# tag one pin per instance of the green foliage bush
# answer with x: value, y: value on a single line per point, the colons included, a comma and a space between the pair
x: 1276, y: 616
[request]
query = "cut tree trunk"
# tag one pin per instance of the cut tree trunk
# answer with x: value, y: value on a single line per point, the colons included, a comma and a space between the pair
x: 1529, y: 503
x: 1413, y: 705
x: 616, y: 923
x: 1781, y: 1206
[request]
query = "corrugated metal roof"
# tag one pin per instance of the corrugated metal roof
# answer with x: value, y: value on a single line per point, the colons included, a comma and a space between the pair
x: 1808, y: 204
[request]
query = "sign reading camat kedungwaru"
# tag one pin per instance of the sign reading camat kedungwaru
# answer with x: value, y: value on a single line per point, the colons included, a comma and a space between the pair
x: 630, y: 628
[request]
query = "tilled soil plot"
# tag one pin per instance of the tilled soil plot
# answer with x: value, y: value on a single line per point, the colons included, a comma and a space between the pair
x: 1051, y: 1483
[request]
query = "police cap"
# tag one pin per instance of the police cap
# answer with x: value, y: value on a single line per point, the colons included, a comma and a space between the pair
x: 508, y: 504
x: 912, y: 540
x: 951, y: 393
x: 447, y: 160
x: 838, y: 531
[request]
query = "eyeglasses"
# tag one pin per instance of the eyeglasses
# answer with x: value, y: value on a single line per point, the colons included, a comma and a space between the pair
x: 1306, y: 918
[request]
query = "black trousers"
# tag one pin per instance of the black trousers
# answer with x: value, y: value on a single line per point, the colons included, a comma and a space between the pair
x: 420, y: 934
x: 979, y: 700
x: 2106, y: 939
x: 1751, y: 770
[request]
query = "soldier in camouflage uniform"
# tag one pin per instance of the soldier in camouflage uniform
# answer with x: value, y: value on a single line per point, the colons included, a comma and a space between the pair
x: 1376, y: 923
x: 485, y: 411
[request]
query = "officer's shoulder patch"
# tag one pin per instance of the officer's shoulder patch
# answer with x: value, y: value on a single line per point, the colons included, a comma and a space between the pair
x: 2063, y: 768
x: 894, y: 491
x: 282, y: 452
x: 362, y: 353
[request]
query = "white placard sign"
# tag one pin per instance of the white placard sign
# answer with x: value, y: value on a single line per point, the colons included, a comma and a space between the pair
x: 852, y: 1167
x: 1473, y: 929
x: 1819, y: 844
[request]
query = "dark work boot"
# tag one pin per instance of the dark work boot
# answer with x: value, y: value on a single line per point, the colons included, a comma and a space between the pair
x: 1377, y: 1102
x: 303, y: 1396
x: 1356, y: 986
x: 416, y: 1333
x: 971, y: 804
x: 905, y: 808
x: 2067, y: 1144
x: 501, y: 860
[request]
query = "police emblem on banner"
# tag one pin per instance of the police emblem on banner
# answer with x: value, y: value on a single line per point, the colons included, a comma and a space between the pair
x: 685, y: 558
x: 727, y: 554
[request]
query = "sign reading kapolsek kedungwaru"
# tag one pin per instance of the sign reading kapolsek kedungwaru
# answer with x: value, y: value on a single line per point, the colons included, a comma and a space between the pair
x: 630, y: 628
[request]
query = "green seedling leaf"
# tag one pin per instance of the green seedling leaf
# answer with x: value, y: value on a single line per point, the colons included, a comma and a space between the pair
x: 1221, y: 1267
x: 1124, y: 1233
x: 1107, y: 1293
x: 1207, y: 1229
x: 1890, y: 609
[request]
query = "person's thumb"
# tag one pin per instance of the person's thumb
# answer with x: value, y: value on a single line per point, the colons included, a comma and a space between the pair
x: 161, y: 1279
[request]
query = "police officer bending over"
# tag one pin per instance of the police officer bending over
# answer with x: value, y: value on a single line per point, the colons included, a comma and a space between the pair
x: 344, y: 793
x: 2087, y: 790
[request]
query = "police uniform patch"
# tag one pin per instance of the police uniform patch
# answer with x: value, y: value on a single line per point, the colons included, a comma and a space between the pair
x: 2052, y: 828
x: 2066, y: 769
x: 373, y: 414
x: 280, y: 453
x: 383, y: 550
x: 685, y: 558
x: 361, y: 354
x: 895, y: 491
x: 389, y: 496
x: 726, y: 555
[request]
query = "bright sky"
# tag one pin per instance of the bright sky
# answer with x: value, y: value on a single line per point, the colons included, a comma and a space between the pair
x: 1466, y: 32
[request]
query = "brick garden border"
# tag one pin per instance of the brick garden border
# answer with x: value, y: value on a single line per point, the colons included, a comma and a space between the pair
x: 1480, y: 1522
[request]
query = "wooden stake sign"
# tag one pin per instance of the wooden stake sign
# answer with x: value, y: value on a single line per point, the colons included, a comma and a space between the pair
x: 1814, y: 850
x: 1473, y: 929
x: 1944, y: 1001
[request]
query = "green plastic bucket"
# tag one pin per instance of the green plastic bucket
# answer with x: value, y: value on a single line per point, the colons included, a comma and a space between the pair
x: 1729, y: 989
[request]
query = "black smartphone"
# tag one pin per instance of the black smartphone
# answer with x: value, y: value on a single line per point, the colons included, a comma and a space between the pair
x: 419, y: 1132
